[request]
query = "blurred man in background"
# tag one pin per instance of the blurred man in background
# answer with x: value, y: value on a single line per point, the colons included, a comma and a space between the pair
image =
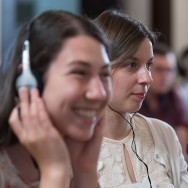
x: 164, y: 100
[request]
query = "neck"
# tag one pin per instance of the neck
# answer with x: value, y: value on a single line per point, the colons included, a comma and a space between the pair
x: 116, y: 127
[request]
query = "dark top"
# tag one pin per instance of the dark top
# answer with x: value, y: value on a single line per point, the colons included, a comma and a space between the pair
x: 171, y: 110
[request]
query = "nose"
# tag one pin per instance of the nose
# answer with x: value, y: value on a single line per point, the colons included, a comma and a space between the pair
x: 144, y: 76
x: 96, y: 90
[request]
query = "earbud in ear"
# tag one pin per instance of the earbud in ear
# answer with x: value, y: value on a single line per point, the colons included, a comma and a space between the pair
x: 26, y: 78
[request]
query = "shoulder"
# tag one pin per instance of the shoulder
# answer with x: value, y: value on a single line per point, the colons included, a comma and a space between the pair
x: 157, y: 125
x: 163, y: 134
x: 150, y: 120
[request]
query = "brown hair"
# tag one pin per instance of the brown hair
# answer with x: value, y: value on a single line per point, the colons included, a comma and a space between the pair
x: 124, y: 32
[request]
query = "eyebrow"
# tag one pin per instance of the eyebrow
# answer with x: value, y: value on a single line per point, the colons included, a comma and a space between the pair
x: 151, y: 59
x: 86, y: 64
x: 136, y: 59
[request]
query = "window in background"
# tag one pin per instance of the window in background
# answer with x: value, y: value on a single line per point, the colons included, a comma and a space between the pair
x: 16, y: 12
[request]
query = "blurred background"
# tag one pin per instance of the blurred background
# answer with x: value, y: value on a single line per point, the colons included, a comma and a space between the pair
x: 166, y: 16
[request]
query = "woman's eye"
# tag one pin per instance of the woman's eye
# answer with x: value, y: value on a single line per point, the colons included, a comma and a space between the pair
x: 132, y: 65
x: 80, y: 72
x: 105, y: 75
x: 149, y: 65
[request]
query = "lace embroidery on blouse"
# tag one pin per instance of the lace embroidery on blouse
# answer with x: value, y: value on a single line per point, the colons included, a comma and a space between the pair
x: 9, y: 175
x: 112, y: 167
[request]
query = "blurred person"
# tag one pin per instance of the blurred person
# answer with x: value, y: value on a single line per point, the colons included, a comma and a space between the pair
x: 136, y: 151
x: 52, y: 137
x: 164, y: 99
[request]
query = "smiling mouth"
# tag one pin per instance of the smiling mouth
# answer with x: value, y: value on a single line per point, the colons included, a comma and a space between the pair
x: 87, y: 113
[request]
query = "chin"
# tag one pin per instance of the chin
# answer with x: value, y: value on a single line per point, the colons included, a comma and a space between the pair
x: 83, y: 138
x: 136, y: 108
x: 82, y: 135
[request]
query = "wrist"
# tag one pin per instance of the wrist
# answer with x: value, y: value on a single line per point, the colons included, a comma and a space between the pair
x: 56, y: 177
x: 85, y: 181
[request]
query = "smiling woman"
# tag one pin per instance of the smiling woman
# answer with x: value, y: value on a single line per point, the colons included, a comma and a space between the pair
x: 84, y: 80
x: 59, y: 124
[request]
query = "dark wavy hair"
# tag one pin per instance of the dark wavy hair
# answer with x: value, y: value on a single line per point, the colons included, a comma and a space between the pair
x: 46, y: 33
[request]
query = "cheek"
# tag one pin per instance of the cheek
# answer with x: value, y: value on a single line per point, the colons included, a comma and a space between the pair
x: 53, y: 102
x: 122, y: 83
x: 55, y: 99
x: 118, y: 89
x: 59, y: 109
x: 172, y: 77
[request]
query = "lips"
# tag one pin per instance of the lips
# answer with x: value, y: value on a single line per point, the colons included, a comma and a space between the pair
x: 140, y: 95
x: 87, y: 116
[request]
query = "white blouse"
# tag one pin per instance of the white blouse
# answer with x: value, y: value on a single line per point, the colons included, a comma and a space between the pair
x: 112, y: 166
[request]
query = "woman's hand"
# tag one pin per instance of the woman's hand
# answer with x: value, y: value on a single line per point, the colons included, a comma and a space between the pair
x: 84, y: 157
x: 31, y: 124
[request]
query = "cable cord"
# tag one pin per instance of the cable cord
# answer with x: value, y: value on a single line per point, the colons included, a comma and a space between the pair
x: 133, y: 144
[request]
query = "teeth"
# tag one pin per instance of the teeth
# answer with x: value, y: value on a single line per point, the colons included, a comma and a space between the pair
x: 87, y: 113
